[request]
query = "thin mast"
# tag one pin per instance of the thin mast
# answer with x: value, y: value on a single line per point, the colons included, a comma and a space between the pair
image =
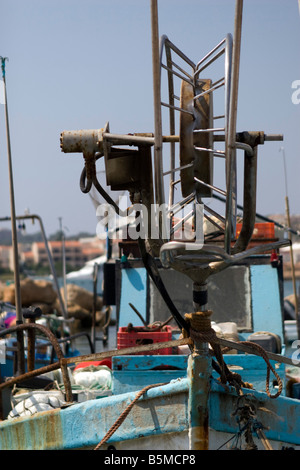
x: 19, y: 316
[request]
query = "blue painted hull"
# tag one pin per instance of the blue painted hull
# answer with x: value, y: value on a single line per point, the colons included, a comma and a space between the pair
x: 159, y: 419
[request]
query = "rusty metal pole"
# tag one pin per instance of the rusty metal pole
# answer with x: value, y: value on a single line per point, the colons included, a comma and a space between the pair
x: 199, y: 372
x: 30, y: 316
x: 158, y: 138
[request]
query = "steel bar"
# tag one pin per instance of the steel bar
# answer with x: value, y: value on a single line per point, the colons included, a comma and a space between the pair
x: 210, y: 53
x: 170, y: 69
x: 214, y: 222
x: 165, y: 42
x: 176, y: 108
x: 179, y: 205
x: 210, y: 90
x: 250, y: 181
x: 158, y: 166
x: 136, y: 139
x: 214, y: 213
x: 18, y: 301
x: 186, y: 78
x: 214, y: 129
x: 213, y: 59
x: 221, y: 116
x: 181, y: 222
x: 218, y: 153
x: 178, y: 168
x: 172, y: 125
x: 231, y: 156
x: 228, y: 68
x: 210, y: 186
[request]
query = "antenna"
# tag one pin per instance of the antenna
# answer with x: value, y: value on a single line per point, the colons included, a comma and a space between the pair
x: 19, y: 317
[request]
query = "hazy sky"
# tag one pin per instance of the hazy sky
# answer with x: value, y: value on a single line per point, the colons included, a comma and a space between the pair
x: 77, y: 64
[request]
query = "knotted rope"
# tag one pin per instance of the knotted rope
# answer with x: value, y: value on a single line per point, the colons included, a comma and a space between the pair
x: 200, y: 329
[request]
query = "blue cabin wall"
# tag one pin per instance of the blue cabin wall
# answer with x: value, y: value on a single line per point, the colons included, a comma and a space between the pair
x: 255, y: 292
x: 266, y: 300
x: 134, y: 289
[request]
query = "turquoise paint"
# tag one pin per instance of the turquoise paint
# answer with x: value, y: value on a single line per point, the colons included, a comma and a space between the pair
x: 134, y: 363
x: 253, y: 369
x: 131, y: 373
x: 133, y: 290
x: 124, y: 381
x: 265, y: 295
x: 282, y: 419
x: 85, y: 424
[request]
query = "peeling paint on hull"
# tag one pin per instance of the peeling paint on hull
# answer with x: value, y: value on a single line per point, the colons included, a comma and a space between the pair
x: 159, y: 420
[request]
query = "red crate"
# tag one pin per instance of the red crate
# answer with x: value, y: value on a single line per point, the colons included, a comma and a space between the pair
x: 261, y: 230
x: 127, y: 339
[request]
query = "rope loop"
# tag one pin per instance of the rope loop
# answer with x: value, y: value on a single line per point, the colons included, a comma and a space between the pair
x: 201, y: 330
x: 270, y: 368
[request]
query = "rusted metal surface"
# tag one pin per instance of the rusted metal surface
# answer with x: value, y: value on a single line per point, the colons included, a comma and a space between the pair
x: 199, y: 369
x: 81, y: 141
x: 160, y: 413
x: 128, y: 351
x: 63, y: 361
x: 40, y: 432
x: 30, y: 316
x: 201, y: 119
x: 250, y: 178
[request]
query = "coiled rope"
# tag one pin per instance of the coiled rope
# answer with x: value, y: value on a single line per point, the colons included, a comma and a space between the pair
x: 200, y: 329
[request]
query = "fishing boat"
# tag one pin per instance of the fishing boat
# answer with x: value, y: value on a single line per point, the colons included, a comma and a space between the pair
x: 200, y: 360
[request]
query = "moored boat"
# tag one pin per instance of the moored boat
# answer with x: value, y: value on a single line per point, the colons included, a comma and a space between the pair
x: 223, y: 289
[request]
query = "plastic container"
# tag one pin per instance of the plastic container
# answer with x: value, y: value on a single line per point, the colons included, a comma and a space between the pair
x: 261, y: 230
x: 127, y: 339
x: 229, y: 331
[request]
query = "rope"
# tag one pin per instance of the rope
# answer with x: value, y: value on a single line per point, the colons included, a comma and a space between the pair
x: 123, y: 415
x: 201, y: 330
x: 263, y: 354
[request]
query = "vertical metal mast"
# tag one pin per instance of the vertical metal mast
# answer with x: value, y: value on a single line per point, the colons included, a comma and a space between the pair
x: 230, y: 170
x: 158, y: 140
x: 19, y: 316
x: 159, y: 188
